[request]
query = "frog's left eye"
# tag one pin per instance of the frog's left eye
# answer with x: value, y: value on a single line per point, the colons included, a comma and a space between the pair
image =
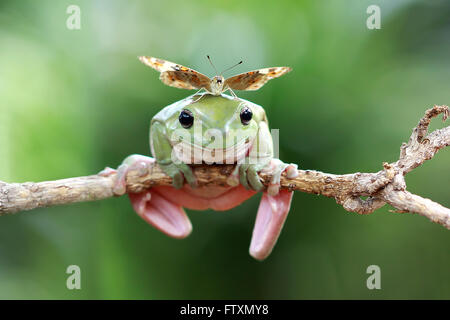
x: 186, y: 119
x: 246, y: 115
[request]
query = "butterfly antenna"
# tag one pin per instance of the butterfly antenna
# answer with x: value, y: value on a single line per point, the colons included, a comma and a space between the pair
x: 209, y: 59
x: 231, y: 67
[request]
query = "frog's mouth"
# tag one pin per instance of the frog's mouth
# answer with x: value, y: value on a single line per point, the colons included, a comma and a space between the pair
x: 193, y: 154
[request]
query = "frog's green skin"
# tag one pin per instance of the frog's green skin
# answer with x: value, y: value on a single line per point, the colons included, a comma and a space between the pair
x: 162, y: 206
x: 221, y: 113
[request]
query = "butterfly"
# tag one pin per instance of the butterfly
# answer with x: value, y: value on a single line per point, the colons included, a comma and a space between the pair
x: 178, y: 76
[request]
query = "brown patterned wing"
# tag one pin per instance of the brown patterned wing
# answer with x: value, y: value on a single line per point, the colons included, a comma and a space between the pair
x: 176, y: 75
x: 253, y: 80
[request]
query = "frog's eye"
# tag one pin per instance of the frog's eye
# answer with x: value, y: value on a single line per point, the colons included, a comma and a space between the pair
x: 246, y: 115
x: 186, y: 119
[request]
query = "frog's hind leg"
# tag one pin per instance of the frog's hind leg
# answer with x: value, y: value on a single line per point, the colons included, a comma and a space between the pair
x: 164, y: 215
x: 272, y: 213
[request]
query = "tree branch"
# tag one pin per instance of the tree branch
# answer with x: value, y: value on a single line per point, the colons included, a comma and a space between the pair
x: 385, y: 186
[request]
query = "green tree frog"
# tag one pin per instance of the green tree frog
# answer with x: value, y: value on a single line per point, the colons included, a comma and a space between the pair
x: 211, y: 130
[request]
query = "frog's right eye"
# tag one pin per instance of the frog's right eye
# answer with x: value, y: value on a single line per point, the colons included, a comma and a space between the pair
x: 186, y: 119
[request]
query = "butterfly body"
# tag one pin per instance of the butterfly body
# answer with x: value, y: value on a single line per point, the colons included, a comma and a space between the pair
x: 178, y: 76
x: 217, y: 85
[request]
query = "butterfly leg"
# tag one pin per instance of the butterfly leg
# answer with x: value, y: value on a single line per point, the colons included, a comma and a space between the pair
x: 232, y: 93
x: 201, y: 96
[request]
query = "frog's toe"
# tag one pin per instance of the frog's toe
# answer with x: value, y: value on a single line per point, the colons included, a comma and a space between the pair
x: 179, y: 172
x: 189, y: 175
x: 107, y: 172
x: 233, y: 180
x: 120, y: 185
x: 292, y: 171
x: 249, y: 178
x: 273, y: 189
x: 243, y: 175
x: 178, y: 180
x: 254, y: 179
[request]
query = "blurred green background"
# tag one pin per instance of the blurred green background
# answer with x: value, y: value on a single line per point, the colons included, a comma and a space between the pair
x: 75, y: 101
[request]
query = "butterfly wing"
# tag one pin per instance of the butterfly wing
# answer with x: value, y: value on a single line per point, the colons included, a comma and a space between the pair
x: 176, y: 75
x: 253, y: 80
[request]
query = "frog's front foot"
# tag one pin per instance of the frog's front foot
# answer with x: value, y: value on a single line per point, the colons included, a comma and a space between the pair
x: 179, y: 172
x: 247, y: 175
x: 275, y: 168
x: 134, y: 162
